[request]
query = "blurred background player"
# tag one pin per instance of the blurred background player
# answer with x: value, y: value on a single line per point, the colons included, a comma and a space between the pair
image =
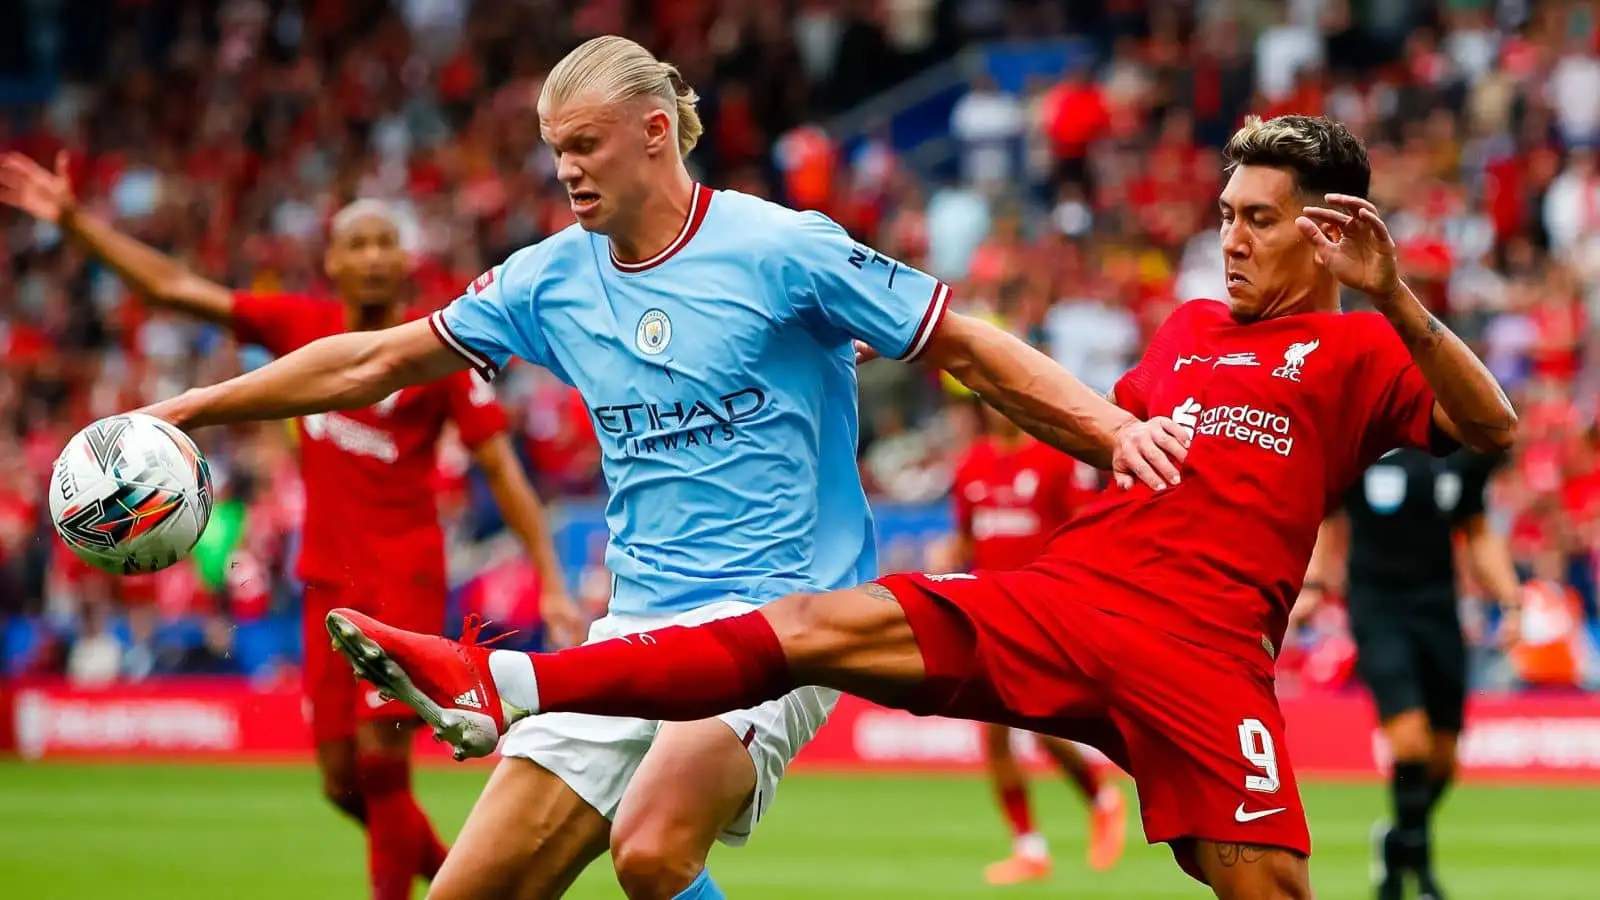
x: 1011, y: 493
x: 710, y: 333
x: 371, y: 532
x: 1399, y: 531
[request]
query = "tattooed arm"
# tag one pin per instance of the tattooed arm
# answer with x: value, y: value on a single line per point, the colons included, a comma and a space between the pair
x: 1469, y: 404
x: 1351, y: 240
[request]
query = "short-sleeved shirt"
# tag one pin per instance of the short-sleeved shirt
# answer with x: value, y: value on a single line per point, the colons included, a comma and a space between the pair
x: 1285, y: 413
x: 370, y: 512
x: 1009, y: 500
x: 1404, y: 511
x: 721, y: 381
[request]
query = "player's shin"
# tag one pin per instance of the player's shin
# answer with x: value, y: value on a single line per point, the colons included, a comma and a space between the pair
x: 1412, y: 796
x: 675, y: 674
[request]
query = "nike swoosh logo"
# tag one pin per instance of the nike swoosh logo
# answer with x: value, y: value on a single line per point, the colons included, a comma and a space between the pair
x: 1239, y: 815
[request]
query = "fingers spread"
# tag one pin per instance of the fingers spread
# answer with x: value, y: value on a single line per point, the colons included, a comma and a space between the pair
x: 1350, y: 201
x: 1330, y: 216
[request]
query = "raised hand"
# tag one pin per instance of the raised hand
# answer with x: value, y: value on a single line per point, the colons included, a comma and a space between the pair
x: 27, y: 186
x: 1364, y: 255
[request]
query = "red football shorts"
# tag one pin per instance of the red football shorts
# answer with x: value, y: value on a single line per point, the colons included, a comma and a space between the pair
x: 337, y: 699
x: 1200, y: 731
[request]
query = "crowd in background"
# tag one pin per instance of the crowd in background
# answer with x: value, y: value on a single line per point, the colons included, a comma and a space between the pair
x: 1083, y: 212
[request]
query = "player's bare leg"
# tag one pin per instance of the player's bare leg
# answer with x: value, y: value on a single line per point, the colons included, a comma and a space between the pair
x: 1108, y: 814
x: 528, y: 837
x: 1253, y: 872
x: 1030, y: 855
x: 1401, y: 844
x: 695, y: 779
x: 401, y: 842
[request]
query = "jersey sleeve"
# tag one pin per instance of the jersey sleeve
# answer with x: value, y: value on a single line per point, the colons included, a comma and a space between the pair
x: 1132, y: 390
x: 848, y: 289
x: 474, y: 409
x: 1476, y: 470
x: 1398, y: 398
x: 280, y: 323
x: 496, y: 317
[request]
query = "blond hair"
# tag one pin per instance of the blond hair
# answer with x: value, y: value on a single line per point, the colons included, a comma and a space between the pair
x: 1323, y: 155
x: 616, y: 69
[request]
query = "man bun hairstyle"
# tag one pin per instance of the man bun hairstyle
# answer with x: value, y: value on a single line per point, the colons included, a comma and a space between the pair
x: 614, y: 70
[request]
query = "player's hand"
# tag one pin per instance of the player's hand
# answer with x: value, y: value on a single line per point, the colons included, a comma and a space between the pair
x: 29, y: 187
x: 1510, y: 633
x: 864, y: 352
x: 1305, y: 605
x: 176, y: 411
x: 1149, y: 452
x: 1364, y: 255
x: 563, y: 623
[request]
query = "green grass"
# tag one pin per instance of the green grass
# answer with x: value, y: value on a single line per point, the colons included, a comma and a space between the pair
x: 135, y: 832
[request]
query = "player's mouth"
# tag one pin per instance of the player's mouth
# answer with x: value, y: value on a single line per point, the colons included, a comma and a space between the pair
x: 583, y: 202
x: 1236, y: 280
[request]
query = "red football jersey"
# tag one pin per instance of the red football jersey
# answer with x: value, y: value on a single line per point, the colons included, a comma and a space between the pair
x: 370, y: 511
x: 1009, y: 500
x: 1286, y: 413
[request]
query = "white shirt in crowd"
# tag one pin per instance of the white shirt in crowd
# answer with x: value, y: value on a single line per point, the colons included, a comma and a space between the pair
x: 989, y: 125
x: 1092, y: 340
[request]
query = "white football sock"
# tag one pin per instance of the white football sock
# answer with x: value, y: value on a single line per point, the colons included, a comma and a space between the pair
x: 512, y: 671
x: 1031, y: 845
x: 1107, y: 796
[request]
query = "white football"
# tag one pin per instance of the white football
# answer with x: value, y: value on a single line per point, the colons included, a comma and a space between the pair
x: 130, y: 494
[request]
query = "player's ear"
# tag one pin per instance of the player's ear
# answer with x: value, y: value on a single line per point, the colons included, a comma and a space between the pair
x: 657, y: 130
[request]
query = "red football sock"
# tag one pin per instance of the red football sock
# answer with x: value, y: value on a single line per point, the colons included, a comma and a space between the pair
x: 1014, y: 801
x: 678, y: 674
x: 401, y: 843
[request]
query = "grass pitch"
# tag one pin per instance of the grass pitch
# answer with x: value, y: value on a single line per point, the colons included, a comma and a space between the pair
x: 70, y: 832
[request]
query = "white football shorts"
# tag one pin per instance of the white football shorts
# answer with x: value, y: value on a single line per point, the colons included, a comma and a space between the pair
x: 597, y: 755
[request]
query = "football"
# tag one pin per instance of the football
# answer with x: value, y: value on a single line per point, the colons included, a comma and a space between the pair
x: 130, y: 494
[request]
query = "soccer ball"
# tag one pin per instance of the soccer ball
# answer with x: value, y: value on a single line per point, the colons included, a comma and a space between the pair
x: 130, y: 494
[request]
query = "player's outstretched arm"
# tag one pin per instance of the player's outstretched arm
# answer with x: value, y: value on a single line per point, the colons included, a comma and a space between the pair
x: 1053, y: 406
x: 1490, y: 559
x: 526, y: 518
x: 1470, y: 405
x: 161, y: 280
x: 1323, y: 572
x: 342, y: 371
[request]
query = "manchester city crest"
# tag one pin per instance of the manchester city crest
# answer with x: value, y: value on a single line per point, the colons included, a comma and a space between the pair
x: 654, y: 333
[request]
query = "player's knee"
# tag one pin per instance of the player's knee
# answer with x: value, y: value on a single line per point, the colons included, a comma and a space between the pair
x: 343, y: 790
x: 997, y: 742
x: 1409, y: 736
x: 839, y: 630
x: 650, y: 865
x: 1281, y: 876
x: 1442, y: 766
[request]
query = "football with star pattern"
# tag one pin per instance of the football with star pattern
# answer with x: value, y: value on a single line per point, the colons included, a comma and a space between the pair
x: 130, y: 494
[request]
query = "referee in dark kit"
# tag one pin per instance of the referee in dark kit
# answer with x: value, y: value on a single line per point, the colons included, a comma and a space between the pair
x: 1400, y: 523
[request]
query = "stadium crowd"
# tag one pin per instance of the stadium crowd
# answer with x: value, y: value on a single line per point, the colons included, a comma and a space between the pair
x: 228, y: 133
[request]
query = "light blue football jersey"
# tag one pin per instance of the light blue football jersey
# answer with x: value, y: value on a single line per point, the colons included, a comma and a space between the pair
x: 721, y: 381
